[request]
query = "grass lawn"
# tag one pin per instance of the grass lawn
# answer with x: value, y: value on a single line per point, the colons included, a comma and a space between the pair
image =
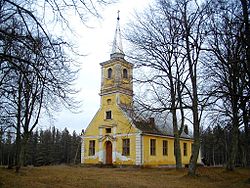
x: 76, y: 176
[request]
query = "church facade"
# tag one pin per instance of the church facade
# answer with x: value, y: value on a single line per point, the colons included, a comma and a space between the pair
x: 114, y: 136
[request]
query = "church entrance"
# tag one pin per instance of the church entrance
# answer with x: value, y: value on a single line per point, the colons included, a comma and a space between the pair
x: 108, y: 152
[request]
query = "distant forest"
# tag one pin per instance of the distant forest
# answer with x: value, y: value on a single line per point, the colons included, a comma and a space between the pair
x: 215, y: 146
x: 52, y: 147
x: 44, y: 147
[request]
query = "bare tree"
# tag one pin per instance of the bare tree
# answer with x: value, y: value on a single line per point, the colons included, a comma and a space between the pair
x: 245, y: 6
x: 37, y: 72
x: 227, y: 66
x: 169, y: 40
x: 40, y: 80
x: 193, y: 24
x: 156, y: 36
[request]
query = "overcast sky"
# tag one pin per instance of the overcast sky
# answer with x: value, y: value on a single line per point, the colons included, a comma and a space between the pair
x: 96, y: 43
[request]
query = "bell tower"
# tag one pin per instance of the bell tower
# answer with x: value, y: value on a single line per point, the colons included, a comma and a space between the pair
x: 117, y: 73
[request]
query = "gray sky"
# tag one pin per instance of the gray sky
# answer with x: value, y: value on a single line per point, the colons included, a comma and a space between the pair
x: 96, y: 43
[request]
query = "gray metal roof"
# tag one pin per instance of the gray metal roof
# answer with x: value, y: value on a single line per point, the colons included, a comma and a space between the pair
x: 150, y: 126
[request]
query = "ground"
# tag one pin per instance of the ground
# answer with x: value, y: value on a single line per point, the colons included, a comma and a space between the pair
x: 78, y: 176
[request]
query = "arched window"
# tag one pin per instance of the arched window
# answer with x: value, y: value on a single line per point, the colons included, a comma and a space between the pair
x: 109, y: 73
x: 108, y: 114
x: 109, y: 101
x: 125, y: 73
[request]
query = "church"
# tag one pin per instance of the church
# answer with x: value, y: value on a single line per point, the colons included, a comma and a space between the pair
x: 114, y: 137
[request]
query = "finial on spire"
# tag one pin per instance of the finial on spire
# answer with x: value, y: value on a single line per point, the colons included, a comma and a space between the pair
x: 117, y: 50
x: 118, y: 15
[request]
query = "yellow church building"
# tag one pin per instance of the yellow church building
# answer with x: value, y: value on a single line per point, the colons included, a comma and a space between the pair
x: 114, y: 136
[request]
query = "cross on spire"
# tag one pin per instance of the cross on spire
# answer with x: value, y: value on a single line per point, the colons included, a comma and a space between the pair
x: 118, y: 15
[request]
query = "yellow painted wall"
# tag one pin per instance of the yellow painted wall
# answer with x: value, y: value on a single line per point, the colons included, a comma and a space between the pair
x: 126, y: 100
x: 120, y: 159
x: 90, y: 159
x: 118, y: 119
x: 159, y: 158
x: 185, y: 159
x: 126, y: 160
x: 120, y: 126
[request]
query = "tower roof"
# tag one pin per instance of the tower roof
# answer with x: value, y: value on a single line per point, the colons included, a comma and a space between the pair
x: 117, y: 50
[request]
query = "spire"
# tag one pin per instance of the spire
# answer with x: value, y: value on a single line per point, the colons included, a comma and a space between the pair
x: 117, y: 50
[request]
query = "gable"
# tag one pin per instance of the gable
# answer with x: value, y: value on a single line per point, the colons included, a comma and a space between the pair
x: 119, y: 123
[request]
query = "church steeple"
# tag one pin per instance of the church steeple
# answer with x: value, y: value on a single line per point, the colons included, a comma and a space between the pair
x: 117, y: 50
x: 117, y: 75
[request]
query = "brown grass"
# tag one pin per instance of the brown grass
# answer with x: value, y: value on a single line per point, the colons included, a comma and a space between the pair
x: 68, y: 177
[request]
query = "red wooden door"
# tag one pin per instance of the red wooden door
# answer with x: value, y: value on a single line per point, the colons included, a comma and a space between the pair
x: 108, y: 152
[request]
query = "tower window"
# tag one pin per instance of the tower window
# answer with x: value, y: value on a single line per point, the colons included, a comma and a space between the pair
x: 125, y: 73
x: 108, y: 130
x: 109, y: 73
x: 108, y: 114
x: 109, y: 101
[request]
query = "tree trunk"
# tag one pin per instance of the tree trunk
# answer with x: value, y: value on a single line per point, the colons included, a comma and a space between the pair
x: 234, y: 141
x: 18, y: 150
x: 245, y: 10
x: 192, y: 70
x: 18, y: 127
x: 177, y: 148
x: 177, y: 151
x: 24, y: 149
x: 196, y: 147
x: 245, y: 144
x: 233, y: 150
x: 213, y: 156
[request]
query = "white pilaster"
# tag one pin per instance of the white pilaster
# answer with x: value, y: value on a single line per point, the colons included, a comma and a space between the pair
x: 138, y: 149
x: 100, y: 131
x: 82, y: 150
x: 100, y: 152
x: 117, y: 98
x: 114, y: 144
x: 102, y: 76
x: 114, y: 151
